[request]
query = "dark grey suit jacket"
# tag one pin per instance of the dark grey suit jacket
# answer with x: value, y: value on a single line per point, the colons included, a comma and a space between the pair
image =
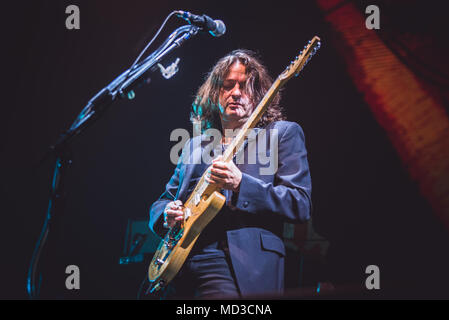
x: 265, y: 200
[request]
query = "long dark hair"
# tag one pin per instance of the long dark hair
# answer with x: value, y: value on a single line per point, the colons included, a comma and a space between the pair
x: 205, y: 106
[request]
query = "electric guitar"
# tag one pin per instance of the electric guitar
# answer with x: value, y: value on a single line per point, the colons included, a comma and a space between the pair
x: 206, y: 200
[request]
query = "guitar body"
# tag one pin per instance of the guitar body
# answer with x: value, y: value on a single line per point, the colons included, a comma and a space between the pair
x: 174, y: 248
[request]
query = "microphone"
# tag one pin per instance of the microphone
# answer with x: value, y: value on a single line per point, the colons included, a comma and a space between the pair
x: 215, y: 27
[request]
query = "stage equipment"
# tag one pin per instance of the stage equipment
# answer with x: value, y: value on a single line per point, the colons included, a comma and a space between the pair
x: 140, y: 242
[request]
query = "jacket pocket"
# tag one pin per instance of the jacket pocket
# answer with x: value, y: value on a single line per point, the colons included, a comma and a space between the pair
x: 272, y: 243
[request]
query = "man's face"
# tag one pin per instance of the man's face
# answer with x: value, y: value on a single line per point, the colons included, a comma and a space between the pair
x: 235, y: 105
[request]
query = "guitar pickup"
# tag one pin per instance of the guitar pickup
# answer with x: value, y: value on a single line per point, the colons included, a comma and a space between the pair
x: 197, y: 199
x: 187, y: 213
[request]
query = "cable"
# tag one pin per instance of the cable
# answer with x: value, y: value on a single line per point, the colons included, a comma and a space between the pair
x: 87, y: 112
x: 149, y: 43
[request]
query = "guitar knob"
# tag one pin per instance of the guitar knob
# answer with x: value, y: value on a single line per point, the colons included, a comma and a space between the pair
x: 160, y: 284
x: 169, y: 244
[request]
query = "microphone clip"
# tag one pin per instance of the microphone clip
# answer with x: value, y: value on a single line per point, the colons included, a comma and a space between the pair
x: 170, y: 71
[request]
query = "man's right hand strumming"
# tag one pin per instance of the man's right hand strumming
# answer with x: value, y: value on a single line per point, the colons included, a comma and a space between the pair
x: 173, y: 213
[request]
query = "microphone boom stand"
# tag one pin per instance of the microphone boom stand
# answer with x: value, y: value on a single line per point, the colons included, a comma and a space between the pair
x: 120, y: 87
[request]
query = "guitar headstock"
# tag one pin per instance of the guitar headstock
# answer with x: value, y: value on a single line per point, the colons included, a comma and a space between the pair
x: 295, y: 67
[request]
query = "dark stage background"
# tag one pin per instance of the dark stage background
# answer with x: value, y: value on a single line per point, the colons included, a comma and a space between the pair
x: 365, y: 203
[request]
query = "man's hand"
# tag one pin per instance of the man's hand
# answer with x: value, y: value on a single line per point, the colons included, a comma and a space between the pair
x: 226, y: 175
x: 173, y: 213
